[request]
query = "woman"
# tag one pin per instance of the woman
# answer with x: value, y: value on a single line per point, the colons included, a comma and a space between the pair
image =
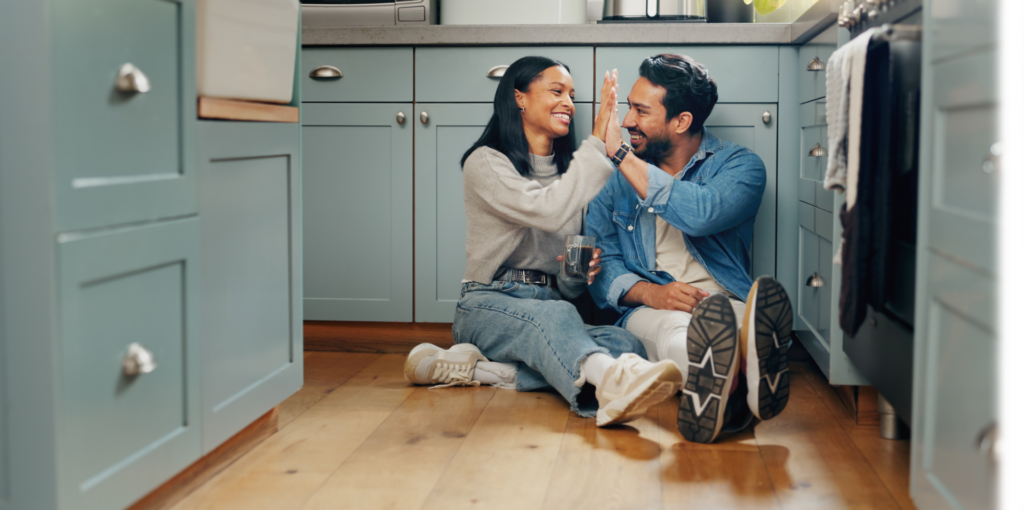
x: 525, y: 190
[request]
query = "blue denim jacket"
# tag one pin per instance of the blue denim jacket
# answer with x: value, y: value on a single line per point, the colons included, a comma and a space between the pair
x: 714, y: 204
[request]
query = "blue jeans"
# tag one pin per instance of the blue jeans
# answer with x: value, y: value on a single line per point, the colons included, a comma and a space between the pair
x: 541, y: 333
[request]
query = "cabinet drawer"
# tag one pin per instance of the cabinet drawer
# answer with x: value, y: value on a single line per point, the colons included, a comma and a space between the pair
x: 963, y: 201
x: 121, y: 156
x: 806, y: 213
x: 823, y: 223
x: 807, y: 190
x: 459, y: 75
x: 120, y: 435
x: 367, y: 75
x: 812, y: 83
x: 744, y: 74
x: 808, y: 301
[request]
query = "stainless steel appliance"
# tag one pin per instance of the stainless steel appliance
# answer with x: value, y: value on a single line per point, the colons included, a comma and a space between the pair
x: 369, y: 12
x: 641, y: 11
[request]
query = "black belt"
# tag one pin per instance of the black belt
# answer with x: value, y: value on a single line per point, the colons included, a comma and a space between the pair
x: 522, y: 276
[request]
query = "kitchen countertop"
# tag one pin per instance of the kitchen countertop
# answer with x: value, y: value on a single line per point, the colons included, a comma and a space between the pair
x: 815, y: 20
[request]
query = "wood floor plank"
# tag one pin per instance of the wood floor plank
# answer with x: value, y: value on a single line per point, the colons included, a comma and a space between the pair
x: 812, y: 462
x: 728, y: 473
x: 889, y: 458
x: 323, y: 372
x: 616, y: 467
x: 400, y: 463
x: 507, y: 459
x: 285, y: 469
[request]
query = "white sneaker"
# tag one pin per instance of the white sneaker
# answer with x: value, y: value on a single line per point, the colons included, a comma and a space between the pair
x: 631, y: 385
x: 430, y: 364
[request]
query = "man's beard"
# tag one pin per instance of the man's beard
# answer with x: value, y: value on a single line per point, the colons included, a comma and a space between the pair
x: 654, y: 149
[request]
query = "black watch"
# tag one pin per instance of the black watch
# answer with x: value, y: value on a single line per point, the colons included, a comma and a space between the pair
x: 620, y: 154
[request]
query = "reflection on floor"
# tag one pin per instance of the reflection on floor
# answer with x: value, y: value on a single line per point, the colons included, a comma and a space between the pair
x: 359, y: 436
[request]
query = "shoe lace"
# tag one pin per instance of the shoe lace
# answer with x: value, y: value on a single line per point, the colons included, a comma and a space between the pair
x: 625, y: 368
x: 450, y: 374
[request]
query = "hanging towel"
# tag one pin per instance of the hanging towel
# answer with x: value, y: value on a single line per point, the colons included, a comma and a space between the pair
x: 844, y: 77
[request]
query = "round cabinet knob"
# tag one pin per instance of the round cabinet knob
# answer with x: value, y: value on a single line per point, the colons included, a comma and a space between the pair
x: 987, y: 442
x: 138, y: 361
x: 816, y: 65
x: 766, y: 117
x: 497, y: 72
x: 999, y: 159
x: 424, y: 117
x: 131, y: 80
x: 815, y: 281
x: 400, y: 117
x: 326, y: 73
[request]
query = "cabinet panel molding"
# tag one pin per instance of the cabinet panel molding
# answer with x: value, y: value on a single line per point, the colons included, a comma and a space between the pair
x: 250, y: 198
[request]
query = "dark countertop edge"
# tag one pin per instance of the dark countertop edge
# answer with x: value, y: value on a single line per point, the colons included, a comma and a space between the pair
x: 580, y: 35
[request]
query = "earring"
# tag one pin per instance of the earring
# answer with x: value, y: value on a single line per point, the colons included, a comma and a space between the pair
x: 522, y: 109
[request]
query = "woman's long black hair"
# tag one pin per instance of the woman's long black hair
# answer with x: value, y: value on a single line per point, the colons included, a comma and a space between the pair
x: 504, y: 132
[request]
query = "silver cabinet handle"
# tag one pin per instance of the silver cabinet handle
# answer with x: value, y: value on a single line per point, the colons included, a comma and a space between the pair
x: 326, y: 73
x: 497, y: 71
x: 400, y: 117
x: 999, y: 159
x: 818, y: 151
x: 132, y: 80
x: 987, y: 442
x: 816, y: 65
x: 139, y: 360
x: 766, y: 117
x: 815, y: 281
x: 424, y: 117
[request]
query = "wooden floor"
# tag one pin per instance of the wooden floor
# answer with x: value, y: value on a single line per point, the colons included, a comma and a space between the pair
x: 358, y: 436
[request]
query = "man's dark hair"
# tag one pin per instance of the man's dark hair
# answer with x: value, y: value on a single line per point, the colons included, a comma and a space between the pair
x: 688, y: 86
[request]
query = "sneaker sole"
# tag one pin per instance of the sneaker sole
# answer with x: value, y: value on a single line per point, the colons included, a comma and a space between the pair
x: 641, y: 399
x: 423, y: 350
x: 771, y: 322
x: 711, y: 345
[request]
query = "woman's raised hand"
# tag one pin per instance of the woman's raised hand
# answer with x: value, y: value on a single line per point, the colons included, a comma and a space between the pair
x: 613, y: 130
x: 611, y: 84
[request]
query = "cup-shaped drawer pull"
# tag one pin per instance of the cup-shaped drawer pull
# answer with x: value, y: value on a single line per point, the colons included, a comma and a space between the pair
x: 999, y: 159
x: 138, y: 361
x: 131, y: 80
x: 326, y: 73
x: 816, y: 65
x: 818, y: 151
x: 987, y: 442
x: 497, y: 72
x: 815, y: 280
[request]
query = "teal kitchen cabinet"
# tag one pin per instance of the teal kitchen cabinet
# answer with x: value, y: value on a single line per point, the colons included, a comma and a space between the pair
x: 367, y: 75
x: 251, y: 209
x: 125, y: 155
x: 744, y: 74
x: 357, y: 209
x: 958, y: 27
x: 811, y: 64
x: 471, y: 75
x: 955, y: 344
x: 122, y: 434
x: 449, y: 131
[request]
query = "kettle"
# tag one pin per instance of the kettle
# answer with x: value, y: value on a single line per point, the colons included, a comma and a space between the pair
x: 655, y: 10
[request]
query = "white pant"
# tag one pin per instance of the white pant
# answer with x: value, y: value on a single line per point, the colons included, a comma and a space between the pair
x: 663, y: 332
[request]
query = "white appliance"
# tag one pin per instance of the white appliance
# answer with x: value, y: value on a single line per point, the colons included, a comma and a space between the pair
x: 245, y: 49
x: 519, y: 12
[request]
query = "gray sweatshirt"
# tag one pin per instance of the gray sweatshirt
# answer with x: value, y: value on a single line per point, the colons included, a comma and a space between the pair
x: 521, y: 222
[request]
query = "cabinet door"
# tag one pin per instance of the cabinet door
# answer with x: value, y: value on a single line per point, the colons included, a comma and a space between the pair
x: 743, y: 124
x: 959, y: 385
x: 962, y: 205
x: 250, y: 198
x: 123, y: 156
x: 440, y: 210
x: 956, y: 27
x: 120, y: 436
x: 357, y: 211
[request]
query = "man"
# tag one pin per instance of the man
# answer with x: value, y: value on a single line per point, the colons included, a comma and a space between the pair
x: 675, y: 225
